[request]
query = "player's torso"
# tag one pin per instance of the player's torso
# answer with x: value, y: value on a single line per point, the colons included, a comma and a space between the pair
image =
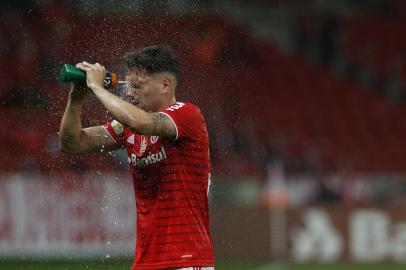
x: 165, y: 170
x: 147, y: 157
x: 145, y: 151
x: 158, y: 163
x: 171, y: 181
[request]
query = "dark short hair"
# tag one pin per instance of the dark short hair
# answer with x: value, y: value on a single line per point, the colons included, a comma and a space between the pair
x: 154, y: 59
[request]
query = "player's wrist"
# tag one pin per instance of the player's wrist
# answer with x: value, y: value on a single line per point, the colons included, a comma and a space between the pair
x: 96, y: 87
x: 77, y: 92
x: 76, y: 97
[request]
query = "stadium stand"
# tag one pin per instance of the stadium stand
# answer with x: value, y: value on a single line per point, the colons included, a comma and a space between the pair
x: 329, y: 123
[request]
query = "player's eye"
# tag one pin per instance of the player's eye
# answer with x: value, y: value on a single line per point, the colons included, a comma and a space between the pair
x: 133, y: 85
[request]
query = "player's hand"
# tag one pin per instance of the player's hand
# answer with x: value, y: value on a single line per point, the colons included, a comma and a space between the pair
x: 78, y: 91
x: 95, y: 74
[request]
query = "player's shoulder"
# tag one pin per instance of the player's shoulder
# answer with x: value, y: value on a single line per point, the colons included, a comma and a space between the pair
x: 187, y: 118
x: 182, y: 106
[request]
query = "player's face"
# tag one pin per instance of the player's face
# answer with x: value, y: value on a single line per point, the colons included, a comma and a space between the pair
x: 143, y: 89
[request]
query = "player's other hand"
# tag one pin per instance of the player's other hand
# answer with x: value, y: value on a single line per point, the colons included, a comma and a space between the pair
x: 95, y: 74
x: 78, y: 91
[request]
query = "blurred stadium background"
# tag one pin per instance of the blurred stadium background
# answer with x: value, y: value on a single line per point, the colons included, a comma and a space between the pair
x: 304, y: 101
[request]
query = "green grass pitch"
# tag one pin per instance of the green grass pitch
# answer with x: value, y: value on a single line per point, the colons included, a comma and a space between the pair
x: 126, y: 264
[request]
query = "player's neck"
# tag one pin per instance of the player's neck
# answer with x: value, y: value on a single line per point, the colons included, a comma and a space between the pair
x: 167, y: 103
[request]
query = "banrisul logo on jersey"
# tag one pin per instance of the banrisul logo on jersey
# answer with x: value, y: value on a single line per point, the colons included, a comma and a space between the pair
x: 150, y: 159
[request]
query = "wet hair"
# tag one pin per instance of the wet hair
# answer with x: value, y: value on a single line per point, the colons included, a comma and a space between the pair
x: 153, y: 59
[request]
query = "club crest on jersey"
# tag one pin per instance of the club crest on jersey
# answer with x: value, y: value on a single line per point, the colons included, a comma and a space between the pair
x: 117, y: 126
x: 143, y: 145
x: 154, y: 139
x: 150, y: 159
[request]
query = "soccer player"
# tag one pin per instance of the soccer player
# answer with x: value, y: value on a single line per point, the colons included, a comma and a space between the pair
x: 167, y: 145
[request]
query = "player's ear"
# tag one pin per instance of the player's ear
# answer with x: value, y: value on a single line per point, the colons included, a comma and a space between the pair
x: 167, y: 84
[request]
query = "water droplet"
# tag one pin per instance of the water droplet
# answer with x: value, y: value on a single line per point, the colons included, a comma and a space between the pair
x: 108, y: 256
x: 108, y: 243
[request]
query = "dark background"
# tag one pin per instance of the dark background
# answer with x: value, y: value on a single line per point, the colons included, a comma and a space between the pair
x: 313, y: 91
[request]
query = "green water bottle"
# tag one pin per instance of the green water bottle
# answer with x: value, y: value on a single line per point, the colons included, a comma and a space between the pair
x: 69, y: 73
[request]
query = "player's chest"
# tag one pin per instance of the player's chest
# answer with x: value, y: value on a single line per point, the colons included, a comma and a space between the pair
x: 141, y: 145
x: 145, y: 150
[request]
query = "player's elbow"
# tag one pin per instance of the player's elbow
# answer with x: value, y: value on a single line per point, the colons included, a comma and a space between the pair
x: 67, y: 149
x: 66, y: 146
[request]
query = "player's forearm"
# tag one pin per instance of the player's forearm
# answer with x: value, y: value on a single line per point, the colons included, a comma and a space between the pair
x: 126, y: 113
x: 71, y: 128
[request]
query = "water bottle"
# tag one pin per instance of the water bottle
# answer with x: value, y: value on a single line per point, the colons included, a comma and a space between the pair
x: 69, y: 73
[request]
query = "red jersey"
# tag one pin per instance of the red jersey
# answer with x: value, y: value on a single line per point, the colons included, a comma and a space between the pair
x: 171, y: 181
